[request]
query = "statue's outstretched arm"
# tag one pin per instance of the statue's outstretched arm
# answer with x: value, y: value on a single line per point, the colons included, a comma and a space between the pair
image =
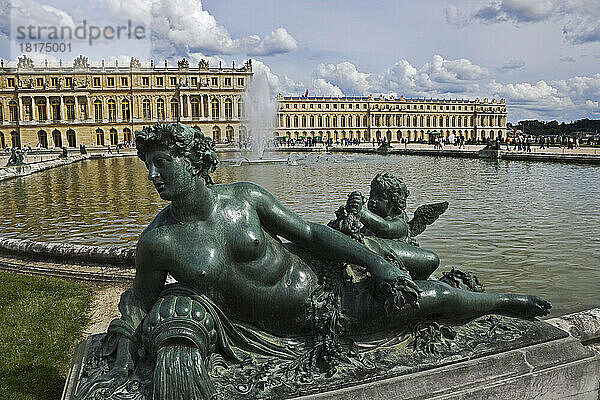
x: 320, y: 239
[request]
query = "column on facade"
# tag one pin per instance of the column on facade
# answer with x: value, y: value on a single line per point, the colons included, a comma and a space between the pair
x: 88, y: 110
x: 48, y: 109
x: 62, y: 108
x: 189, y: 106
x: 202, y: 106
x: 210, y: 116
x: 222, y: 107
x: 20, y: 109
x: 181, y: 105
x: 33, y: 108
x: 76, y: 108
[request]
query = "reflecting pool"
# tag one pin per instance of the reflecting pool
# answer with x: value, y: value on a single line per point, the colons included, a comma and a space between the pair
x: 520, y: 226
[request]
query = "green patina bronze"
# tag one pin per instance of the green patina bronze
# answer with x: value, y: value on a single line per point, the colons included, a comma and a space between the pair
x: 16, y: 157
x: 252, y: 316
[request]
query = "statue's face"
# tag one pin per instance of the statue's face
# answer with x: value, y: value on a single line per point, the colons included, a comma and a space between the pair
x: 169, y: 174
x: 379, y: 203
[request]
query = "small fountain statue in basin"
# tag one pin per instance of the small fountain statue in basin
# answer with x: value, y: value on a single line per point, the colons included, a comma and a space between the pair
x: 250, y: 316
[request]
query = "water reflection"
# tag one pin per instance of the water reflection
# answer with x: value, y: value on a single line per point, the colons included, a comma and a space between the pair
x: 521, y: 226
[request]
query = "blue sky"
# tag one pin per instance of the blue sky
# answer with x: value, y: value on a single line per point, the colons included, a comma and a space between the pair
x: 542, y: 56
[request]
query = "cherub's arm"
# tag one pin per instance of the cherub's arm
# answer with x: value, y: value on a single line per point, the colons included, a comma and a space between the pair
x: 393, y: 228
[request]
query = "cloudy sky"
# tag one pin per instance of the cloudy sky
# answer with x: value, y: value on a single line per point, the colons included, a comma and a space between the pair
x: 542, y: 56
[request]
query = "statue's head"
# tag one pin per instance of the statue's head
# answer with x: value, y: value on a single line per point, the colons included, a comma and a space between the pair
x: 181, y: 141
x: 388, y: 195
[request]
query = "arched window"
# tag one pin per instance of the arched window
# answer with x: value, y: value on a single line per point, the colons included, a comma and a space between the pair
x: 125, y: 110
x: 334, y: 121
x: 320, y: 124
x: 71, y: 138
x: 243, y: 133
x: 55, y: 104
x: 97, y: 110
x: 114, y: 138
x: 195, y: 102
x: 2, y: 140
x: 205, y: 105
x: 146, y: 109
x: 57, y: 138
x: 160, y: 109
x: 174, y: 108
x: 214, y: 104
x: 295, y: 121
x: 414, y: 121
x: 241, y: 109
x: 41, y: 111
x: 216, y: 131
x: 304, y: 121
x: 70, y: 106
x: 229, y: 133
x: 112, y: 110
x: 287, y: 122
x: 127, y: 135
x: 99, y: 137
x: 453, y: 121
x: 42, y: 139
x: 312, y: 121
x: 228, y: 108
x: 15, y: 139
x: 13, y: 111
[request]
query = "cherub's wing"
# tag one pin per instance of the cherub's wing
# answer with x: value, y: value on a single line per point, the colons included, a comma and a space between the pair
x: 425, y: 215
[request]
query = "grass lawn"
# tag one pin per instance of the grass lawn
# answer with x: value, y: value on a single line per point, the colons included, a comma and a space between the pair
x: 40, y: 320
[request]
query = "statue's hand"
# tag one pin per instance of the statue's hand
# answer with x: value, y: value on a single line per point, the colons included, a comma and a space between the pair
x: 105, y: 385
x: 399, y: 291
x: 355, y: 202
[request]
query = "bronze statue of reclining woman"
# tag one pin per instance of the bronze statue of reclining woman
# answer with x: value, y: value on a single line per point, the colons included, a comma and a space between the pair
x: 222, y: 243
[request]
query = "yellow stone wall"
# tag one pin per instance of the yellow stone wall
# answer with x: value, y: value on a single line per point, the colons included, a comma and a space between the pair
x: 83, y: 104
x: 369, y: 118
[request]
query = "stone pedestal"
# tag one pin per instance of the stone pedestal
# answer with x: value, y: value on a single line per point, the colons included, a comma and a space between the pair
x: 490, y: 358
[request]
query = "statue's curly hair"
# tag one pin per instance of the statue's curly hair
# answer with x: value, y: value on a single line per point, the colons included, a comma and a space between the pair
x: 181, y: 141
x: 394, y: 186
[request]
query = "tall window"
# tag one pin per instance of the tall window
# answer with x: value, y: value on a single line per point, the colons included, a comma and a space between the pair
x: 228, y: 108
x: 127, y: 135
x: 1, y: 119
x: 229, y: 133
x: 99, y: 137
x: 98, y: 111
x: 174, y: 108
x: 214, y: 104
x: 216, y: 133
x: 295, y: 121
x: 2, y: 140
x: 55, y: 110
x: 146, y: 109
x: 160, y: 109
x: 43, y: 139
x: 71, y: 139
x: 13, y: 111
x: 112, y: 110
x: 304, y: 121
x: 114, y: 139
x: 241, y: 108
x: 125, y: 110
x: 15, y: 139
x: 195, y: 107
x: 70, y: 104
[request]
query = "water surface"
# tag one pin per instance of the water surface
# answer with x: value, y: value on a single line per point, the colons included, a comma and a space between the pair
x: 520, y: 226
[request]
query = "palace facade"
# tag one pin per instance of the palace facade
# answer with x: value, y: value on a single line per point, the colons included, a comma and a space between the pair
x: 368, y: 118
x: 103, y: 105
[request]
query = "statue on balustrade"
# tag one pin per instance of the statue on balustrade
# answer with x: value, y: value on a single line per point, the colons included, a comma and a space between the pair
x: 264, y: 303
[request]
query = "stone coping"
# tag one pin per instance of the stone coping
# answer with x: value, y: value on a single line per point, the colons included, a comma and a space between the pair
x: 28, y: 169
x: 69, y: 253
